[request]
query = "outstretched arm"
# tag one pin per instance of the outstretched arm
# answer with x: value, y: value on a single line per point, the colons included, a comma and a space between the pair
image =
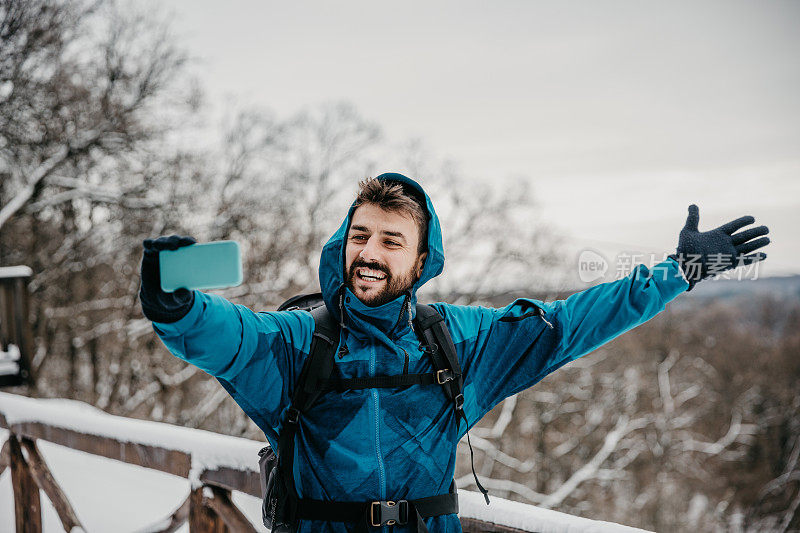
x: 255, y: 356
x: 504, y: 351
x: 590, y: 318
x: 507, y: 350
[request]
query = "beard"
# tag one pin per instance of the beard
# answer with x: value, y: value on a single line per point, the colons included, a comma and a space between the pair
x: 390, y: 288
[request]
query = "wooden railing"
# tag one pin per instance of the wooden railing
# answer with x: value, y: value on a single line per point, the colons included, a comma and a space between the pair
x: 207, y: 508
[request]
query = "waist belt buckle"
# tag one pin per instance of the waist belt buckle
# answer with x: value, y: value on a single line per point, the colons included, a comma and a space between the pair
x: 388, y: 513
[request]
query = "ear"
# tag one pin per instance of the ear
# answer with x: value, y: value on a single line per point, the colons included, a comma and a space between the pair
x: 421, y: 263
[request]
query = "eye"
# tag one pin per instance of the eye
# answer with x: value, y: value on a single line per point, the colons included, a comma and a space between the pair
x: 358, y: 238
x: 392, y: 243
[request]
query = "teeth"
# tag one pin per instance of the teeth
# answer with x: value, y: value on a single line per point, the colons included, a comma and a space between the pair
x: 371, y: 274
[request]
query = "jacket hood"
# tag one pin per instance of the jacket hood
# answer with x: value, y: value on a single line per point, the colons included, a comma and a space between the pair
x: 338, y: 298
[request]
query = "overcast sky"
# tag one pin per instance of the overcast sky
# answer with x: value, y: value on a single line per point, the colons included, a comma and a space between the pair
x: 620, y: 113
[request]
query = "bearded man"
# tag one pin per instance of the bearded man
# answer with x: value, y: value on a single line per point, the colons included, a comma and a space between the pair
x: 375, y: 458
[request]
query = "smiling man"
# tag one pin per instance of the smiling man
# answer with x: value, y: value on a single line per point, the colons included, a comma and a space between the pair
x: 377, y: 448
x: 386, y: 243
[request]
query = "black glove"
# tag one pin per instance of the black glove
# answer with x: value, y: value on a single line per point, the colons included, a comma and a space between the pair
x: 157, y: 305
x: 711, y: 252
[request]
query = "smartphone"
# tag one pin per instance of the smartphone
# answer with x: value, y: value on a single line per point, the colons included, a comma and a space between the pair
x: 209, y: 265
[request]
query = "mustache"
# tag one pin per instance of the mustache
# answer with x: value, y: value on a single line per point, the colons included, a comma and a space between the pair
x: 374, y: 266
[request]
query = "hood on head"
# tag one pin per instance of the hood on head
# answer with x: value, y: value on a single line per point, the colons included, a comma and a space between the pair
x: 331, y: 264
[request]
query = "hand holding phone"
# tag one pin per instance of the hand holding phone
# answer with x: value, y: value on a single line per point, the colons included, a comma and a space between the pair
x: 157, y: 305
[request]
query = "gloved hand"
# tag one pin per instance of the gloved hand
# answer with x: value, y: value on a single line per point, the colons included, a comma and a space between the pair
x: 709, y: 253
x: 157, y: 305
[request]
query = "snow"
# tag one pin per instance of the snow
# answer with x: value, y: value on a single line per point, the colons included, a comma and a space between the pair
x: 530, y: 518
x: 208, y: 450
x: 6, y: 88
x: 107, y: 494
x: 9, y: 360
x: 15, y: 272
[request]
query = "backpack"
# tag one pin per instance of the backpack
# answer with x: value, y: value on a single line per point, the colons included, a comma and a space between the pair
x: 281, y: 506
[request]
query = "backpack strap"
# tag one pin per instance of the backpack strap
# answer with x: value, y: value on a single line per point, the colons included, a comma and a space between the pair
x: 317, y: 366
x: 320, y: 362
x: 441, y: 348
x: 302, y: 301
x: 443, y: 352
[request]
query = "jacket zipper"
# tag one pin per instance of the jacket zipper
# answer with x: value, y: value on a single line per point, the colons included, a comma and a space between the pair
x: 541, y: 315
x: 376, y: 414
x: 538, y: 311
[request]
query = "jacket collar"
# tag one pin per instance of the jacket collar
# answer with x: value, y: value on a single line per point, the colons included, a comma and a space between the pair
x: 392, y: 319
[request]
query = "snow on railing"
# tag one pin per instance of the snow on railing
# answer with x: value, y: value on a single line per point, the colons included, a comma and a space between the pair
x: 214, y: 464
x: 20, y: 271
x: 9, y: 360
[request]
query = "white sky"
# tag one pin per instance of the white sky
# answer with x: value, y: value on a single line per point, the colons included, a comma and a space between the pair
x: 620, y: 113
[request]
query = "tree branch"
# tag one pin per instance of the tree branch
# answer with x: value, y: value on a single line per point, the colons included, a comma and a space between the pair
x: 623, y: 426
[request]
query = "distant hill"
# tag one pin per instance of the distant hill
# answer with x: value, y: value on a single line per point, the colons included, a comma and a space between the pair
x: 780, y: 287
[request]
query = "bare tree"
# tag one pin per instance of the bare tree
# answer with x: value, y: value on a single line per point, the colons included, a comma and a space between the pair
x: 494, y: 237
x: 78, y: 86
x: 282, y: 184
x: 73, y: 96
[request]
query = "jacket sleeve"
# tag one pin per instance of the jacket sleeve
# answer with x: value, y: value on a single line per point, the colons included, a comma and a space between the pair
x: 506, y: 350
x: 255, y: 356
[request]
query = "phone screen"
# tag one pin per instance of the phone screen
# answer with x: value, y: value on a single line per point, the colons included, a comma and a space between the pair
x: 211, y: 265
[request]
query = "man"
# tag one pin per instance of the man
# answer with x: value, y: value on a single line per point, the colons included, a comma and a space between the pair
x: 392, y: 444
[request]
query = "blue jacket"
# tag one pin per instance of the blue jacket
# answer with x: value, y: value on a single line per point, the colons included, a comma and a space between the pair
x: 379, y: 444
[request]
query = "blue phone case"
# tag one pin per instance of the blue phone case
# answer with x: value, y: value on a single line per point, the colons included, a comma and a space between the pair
x: 210, y: 265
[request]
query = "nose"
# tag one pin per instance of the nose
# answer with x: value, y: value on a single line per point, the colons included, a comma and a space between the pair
x: 369, y: 251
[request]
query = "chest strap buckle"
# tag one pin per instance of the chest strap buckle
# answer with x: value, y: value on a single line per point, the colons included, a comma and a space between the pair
x: 388, y: 513
x: 443, y: 376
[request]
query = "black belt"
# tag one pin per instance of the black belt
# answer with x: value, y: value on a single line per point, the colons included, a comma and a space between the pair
x: 379, y: 513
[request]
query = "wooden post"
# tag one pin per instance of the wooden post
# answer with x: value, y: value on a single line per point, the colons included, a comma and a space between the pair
x: 230, y: 514
x: 24, y: 333
x: 202, y: 519
x: 27, y: 508
x: 45, y: 480
x: 5, y: 457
